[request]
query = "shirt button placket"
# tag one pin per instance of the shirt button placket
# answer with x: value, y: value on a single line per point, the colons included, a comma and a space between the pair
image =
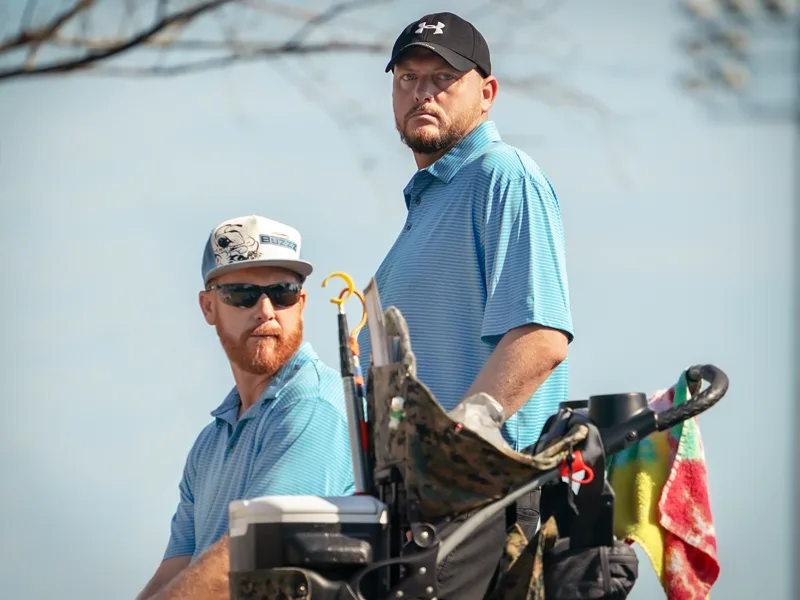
x: 417, y: 200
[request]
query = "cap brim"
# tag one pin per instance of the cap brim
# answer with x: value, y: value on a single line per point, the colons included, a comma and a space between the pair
x: 301, y: 267
x: 454, y: 59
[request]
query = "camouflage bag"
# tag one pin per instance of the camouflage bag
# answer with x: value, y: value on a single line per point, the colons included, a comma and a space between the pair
x: 436, y: 457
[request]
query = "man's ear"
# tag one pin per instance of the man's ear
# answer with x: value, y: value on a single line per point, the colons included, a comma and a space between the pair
x: 488, y: 92
x: 208, y: 307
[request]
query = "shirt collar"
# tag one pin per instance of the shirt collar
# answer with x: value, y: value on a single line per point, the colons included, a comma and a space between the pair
x: 228, y: 411
x: 446, y: 167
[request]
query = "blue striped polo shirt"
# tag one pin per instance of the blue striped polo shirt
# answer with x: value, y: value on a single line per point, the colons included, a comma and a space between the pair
x: 481, y: 252
x: 294, y: 440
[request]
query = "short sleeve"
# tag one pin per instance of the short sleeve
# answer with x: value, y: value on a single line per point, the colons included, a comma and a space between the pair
x: 305, y: 450
x: 524, y: 259
x: 182, y: 538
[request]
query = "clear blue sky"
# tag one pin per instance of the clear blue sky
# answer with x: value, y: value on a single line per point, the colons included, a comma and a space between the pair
x: 678, y: 231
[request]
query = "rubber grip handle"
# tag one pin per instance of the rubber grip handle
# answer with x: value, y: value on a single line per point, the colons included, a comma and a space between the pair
x: 718, y: 385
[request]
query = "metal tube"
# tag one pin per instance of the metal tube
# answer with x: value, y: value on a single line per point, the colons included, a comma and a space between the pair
x: 360, y: 467
x: 796, y: 372
x: 355, y: 411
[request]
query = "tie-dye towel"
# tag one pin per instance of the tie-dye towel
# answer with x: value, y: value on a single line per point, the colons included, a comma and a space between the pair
x: 662, y: 503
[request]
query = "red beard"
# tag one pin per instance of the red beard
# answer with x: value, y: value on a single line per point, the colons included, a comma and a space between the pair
x: 261, y: 356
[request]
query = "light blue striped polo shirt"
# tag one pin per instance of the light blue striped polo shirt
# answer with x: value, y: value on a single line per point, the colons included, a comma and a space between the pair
x: 481, y: 252
x: 294, y: 440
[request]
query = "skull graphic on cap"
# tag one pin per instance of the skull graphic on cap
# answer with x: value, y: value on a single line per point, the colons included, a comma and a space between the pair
x: 231, y: 245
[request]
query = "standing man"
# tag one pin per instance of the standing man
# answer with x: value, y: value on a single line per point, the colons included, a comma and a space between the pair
x: 478, y: 269
x: 282, y: 429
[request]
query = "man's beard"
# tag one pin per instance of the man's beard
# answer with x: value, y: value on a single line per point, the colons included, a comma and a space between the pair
x: 269, y: 354
x: 449, y: 134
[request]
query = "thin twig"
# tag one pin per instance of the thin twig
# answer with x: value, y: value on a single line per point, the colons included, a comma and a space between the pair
x: 219, y: 62
x: 327, y: 16
x: 176, y: 19
x: 233, y: 48
x: 38, y: 35
x: 157, y: 42
x: 356, y: 34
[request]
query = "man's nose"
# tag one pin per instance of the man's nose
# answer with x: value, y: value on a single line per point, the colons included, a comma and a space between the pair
x: 424, y: 91
x: 265, y: 308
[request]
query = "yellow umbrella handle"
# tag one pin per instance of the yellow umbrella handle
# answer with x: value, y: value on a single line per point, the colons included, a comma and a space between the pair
x: 363, y: 322
x: 350, y: 286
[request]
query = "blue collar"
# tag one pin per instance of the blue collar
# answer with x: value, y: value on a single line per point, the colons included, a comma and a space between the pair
x: 228, y: 411
x: 446, y: 167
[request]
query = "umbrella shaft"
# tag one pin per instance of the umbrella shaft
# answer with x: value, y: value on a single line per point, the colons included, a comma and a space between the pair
x: 354, y: 419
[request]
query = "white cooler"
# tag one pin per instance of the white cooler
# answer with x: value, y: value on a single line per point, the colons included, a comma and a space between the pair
x: 334, y: 537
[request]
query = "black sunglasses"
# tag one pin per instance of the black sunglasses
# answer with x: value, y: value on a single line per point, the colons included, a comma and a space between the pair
x: 246, y: 295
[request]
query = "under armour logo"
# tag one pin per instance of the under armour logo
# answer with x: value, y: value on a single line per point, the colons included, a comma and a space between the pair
x: 423, y: 26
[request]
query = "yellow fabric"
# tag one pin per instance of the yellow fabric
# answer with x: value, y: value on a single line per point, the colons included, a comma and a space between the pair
x: 637, y: 481
x: 638, y: 475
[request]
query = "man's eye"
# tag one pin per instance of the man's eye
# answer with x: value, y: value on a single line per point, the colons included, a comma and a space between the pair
x: 446, y: 76
x: 407, y: 76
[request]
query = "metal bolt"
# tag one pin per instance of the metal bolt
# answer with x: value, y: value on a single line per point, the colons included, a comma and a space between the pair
x: 399, y: 593
x: 422, y: 570
x: 301, y: 590
x: 425, y: 535
x: 429, y: 590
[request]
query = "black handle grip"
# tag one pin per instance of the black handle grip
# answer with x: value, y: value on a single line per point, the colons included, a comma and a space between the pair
x: 618, y: 437
x: 717, y: 386
x: 345, y: 356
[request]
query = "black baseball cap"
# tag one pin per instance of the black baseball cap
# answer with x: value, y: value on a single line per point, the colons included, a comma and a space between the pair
x: 454, y: 39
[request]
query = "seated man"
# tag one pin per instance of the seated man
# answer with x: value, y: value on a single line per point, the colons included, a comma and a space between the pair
x: 282, y: 429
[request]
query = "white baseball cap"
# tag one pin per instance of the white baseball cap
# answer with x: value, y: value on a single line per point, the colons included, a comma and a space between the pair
x: 252, y: 241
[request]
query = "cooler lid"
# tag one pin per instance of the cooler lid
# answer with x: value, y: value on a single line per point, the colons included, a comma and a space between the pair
x: 306, y: 509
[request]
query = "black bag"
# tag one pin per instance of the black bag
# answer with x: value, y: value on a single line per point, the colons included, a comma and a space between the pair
x: 600, y: 573
x: 586, y: 562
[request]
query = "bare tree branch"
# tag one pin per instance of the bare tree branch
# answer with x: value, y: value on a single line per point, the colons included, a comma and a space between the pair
x: 177, y: 19
x: 81, y: 38
x: 163, y: 33
x: 281, y: 10
x: 169, y: 22
x: 36, y: 36
x: 44, y: 34
x: 249, y: 54
x: 329, y: 15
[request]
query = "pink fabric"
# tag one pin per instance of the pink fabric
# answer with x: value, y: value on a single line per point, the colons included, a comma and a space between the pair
x: 690, y: 546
